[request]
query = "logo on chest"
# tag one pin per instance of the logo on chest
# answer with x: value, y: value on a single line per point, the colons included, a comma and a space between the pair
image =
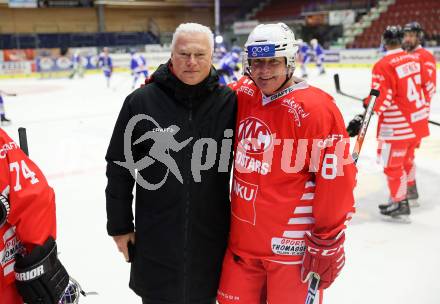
x: 296, y: 109
x: 254, y: 135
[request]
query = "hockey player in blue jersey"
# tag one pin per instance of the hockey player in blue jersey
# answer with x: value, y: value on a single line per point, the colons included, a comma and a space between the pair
x: 138, y: 66
x: 304, y: 53
x: 229, y: 65
x: 105, y: 63
x: 318, y: 53
x: 3, y: 120
x: 77, y: 66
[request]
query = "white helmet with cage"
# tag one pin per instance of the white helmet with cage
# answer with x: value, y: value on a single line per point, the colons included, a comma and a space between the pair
x: 271, y: 40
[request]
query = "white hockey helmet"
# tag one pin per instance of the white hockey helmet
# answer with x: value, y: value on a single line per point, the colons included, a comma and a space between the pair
x: 271, y: 40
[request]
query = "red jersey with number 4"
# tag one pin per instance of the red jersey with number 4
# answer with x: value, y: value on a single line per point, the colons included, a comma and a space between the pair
x: 31, y: 219
x: 292, y: 171
x: 428, y: 61
x: 401, y: 106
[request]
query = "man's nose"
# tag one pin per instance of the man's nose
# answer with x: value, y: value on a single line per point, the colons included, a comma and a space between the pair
x: 191, y: 60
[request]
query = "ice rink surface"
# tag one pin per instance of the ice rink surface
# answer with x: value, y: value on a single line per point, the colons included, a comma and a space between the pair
x: 69, y: 124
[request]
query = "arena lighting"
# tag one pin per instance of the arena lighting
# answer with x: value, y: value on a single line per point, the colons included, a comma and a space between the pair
x: 218, y: 39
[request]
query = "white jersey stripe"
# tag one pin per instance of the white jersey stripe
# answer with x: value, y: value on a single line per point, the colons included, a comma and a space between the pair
x: 308, y: 196
x: 394, y: 119
x: 402, y: 125
x: 303, y: 209
x: 5, y: 191
x: 295, y: 234
x: 301, y: 220
x: 9, y: 233
x: 393, y: 113
x: 403, y: 131
x: 8, y: 269
x: 412, y: 135
x: 310, y: 184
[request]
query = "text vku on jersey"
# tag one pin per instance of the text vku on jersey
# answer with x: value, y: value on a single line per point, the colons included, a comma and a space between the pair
x: 244, y: 190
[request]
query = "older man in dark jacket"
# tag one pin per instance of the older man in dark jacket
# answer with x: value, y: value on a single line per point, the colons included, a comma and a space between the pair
x: 173, y: 138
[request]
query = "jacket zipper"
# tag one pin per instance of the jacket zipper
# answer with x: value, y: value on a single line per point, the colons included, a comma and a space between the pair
x: 187, y: 207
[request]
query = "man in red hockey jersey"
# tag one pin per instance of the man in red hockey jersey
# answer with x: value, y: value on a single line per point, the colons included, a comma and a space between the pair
x: 292, y: 190
x: 412, y: 40
x: 403, y: 118
x: 30, y: 271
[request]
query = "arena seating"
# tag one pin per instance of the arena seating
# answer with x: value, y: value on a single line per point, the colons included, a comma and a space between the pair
x: 54, y: 40
x: 425, y: 12
x: 287, y: 9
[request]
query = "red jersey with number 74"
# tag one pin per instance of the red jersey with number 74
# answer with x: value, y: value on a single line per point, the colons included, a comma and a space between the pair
x: 401, y: 106
x: 31, y: 218
x: 292, y: 171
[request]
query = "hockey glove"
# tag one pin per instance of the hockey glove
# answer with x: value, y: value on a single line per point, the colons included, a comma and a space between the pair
x: 39, y: 276
x: 323, y: 257
x: 354, y: 126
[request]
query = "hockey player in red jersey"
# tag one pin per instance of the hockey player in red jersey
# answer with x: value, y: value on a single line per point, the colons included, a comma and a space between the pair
x: 30, y: 271
x: 412, y: 40
x: 403, y: 118
x: 292, y: 190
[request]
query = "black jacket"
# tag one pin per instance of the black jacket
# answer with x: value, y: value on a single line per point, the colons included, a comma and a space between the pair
x: 181, y: 229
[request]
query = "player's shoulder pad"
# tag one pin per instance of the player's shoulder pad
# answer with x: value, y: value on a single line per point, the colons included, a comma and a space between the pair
x: 317, y: 107
x: 427, y: 54
x: 314, y: 99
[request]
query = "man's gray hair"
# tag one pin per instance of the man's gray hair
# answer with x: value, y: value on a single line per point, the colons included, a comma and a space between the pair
x: 190, y: 28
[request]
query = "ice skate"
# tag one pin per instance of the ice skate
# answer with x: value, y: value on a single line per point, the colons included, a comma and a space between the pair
x: 4, y: 121
x: 398, y: 212
x: 413, y: 195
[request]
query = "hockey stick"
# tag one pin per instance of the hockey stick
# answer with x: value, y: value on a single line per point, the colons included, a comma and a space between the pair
x: 367, y: 116
x: 434, y: 123
x: 338, y: 90
x: 314, y: 282
x: 7, y: 94
x: 312, y: 290
x: 22, y: 137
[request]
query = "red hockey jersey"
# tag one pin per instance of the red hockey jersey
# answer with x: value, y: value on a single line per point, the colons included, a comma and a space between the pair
x: 401, y: 106
x: 428, y: 61
x: 292, y: 171
x: 31, y: 218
